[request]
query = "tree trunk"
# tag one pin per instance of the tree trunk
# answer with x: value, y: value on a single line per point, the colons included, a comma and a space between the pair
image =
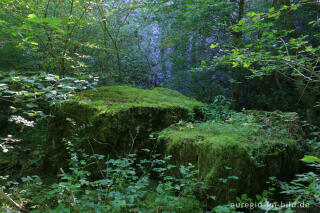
x: 237, y: 73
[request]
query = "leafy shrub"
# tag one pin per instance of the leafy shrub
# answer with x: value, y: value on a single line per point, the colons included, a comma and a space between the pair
x: 305, y: 188
x: 218, y: 110
x: 126, y: 186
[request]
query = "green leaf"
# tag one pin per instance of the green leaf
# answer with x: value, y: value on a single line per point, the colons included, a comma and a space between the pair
x: 227, y: 168
x: 235, y: 64
x: 251, y: 14
x: 242, y: 22
x: 33, y: 18
x: 284, y: 7
x: 233, y: 177
x: 212, y: 46
x: 33, y: 43
x: 31, y: 105
x: 309, y: 48
x: 258, y: 197
x: 310, y: 159
x: 246, y: 64
x: 31, y: 114
x: 99, y: 102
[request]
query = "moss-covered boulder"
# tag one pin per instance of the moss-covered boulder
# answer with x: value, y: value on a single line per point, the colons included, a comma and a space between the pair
x: 115, y: 120
x: 238, y: 156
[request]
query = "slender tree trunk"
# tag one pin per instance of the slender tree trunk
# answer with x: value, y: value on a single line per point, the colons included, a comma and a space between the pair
x: 193, y: 50
x: 118, y: 62
x: 105, y: 42
x: 237, y: 73
x: 65, y: 47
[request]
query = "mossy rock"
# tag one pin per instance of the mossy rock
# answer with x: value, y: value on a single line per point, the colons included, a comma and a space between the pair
x: 115, y: 120
x: 236, y: 157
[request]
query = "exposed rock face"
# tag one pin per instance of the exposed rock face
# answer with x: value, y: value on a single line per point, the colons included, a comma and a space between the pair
x: 237, y: 157
x: 115, y: 120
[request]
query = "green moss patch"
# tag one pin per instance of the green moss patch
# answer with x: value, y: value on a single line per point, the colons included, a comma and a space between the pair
x: 115, y: 120
x: 235, y: 157
x: 114, y: 99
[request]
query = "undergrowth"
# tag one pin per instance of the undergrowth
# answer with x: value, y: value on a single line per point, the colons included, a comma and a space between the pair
x: 126, y: 185
x: 132, y: 184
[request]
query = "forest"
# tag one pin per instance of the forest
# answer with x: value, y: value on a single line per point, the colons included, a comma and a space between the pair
x: 159, y: 106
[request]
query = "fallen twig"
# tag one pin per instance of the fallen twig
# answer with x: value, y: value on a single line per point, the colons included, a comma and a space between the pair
x: 12, y: 201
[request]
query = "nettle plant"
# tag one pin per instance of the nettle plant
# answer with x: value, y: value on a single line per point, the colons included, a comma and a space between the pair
x: 305, y: 188
x: 126, y: 186
x: 26, y: 104
x: 218, y: 110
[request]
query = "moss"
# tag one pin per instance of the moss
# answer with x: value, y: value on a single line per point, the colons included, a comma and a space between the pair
x: 118, y: 98
x: 115, y: 120
x: 233, y: 158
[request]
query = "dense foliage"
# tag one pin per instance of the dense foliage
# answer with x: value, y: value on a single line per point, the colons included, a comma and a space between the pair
x: 230, y: 54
